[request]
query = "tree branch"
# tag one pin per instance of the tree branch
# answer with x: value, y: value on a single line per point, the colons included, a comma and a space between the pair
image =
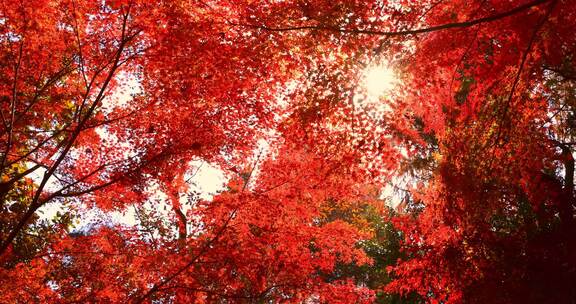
x: 202, y: 251
x: 36, y: 202
x: 436, y: 28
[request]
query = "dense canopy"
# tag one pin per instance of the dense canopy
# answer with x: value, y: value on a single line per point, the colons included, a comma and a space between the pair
x: 372, y: 151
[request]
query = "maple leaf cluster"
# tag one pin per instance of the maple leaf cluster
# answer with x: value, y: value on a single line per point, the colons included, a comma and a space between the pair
x: 109, y: 106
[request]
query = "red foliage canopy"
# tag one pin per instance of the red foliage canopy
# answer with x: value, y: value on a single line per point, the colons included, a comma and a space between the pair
x: 107, y: 105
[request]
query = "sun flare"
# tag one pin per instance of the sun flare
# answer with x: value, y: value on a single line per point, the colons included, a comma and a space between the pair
x: 379, y: 80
